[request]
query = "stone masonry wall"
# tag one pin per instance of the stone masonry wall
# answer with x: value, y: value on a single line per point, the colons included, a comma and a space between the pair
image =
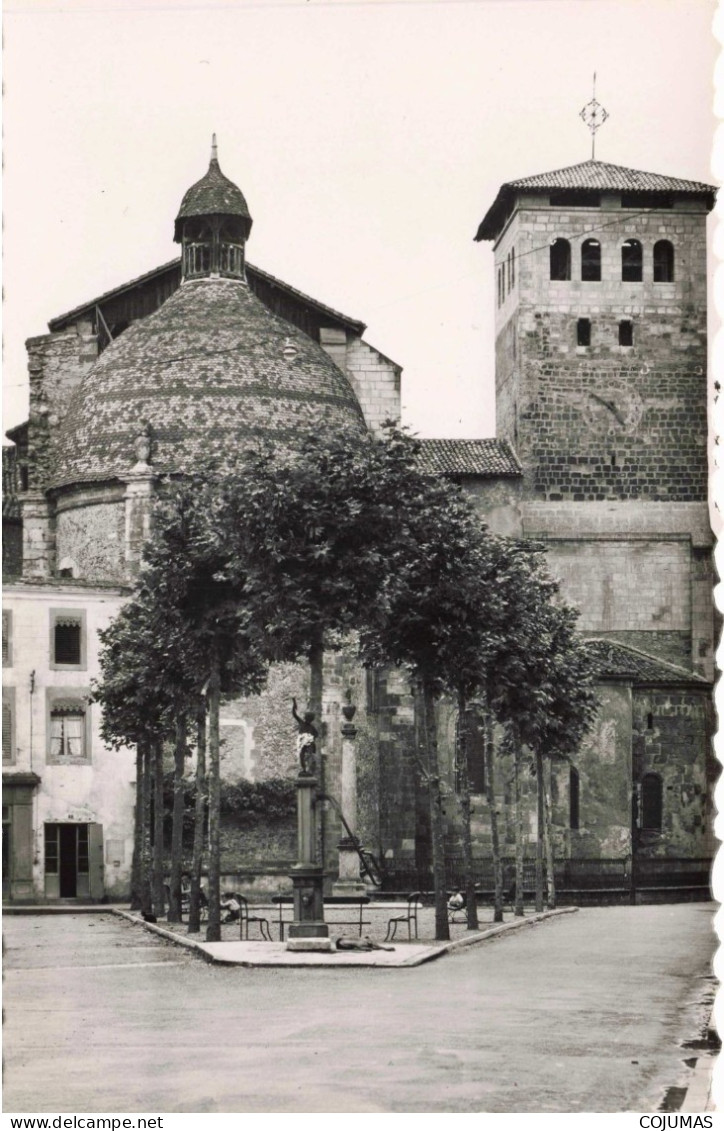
x: 57, y: 364
x: 92, y: 538
x: 605, y: 420
x: 376, y: 382
x: 668, y: 725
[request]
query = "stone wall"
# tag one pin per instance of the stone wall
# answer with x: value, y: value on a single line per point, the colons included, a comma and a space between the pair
x: 57, y: 364
x: 667, y: 726
x: 605, y: 420
x: 90, y: 539
x: 376, y: 383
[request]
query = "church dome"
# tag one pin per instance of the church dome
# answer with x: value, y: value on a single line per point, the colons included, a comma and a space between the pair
x: 209, y: 367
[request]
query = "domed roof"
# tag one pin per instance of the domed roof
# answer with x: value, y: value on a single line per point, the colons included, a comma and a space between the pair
x: 210, y: 366
x: 213, y: 195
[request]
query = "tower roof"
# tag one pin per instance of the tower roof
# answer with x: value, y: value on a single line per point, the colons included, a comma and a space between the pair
x: 593, y: 176
x: 213, y: 195
x: 211, y: 366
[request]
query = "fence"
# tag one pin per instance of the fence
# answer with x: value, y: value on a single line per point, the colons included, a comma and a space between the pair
x: 624, y: 875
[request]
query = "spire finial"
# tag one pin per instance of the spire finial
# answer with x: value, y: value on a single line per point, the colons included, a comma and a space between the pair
x: 594, y: 116
x: 214, y: 154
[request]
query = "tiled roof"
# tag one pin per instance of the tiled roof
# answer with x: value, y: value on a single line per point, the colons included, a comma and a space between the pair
x: 205, y: 370
x: 213, y: 195
x: 11, y: 506
x: 61, y: 321
x: 622, y: 662
x: 469, y: 457
x: 593, y: 175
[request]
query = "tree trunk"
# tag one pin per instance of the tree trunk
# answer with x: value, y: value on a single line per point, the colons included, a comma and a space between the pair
x: 548, y: 841
x: 493, y: 810
x: 159, y: 891
x: 213, y: 928
x: 199, y: 820
x: 519, y: 816
x: 137, y: 863
x: 539, y: 831
x: 179, y: 756
x: 147, y: 793
x: 463, y: 792
x: 442, y: 927
x: 316, y: 686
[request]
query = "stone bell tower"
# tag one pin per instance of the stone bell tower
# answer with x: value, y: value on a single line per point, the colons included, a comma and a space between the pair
x: 601, y: 388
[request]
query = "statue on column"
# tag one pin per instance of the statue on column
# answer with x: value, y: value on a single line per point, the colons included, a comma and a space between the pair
x: 306, y: 741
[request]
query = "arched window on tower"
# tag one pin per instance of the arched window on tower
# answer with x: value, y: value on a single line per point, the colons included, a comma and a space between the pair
x: 663, y: 262
x: 560, y: 259
x: 632, y: 261
x: 652, y: 803
x: 475, y: 750
x: 591, y: 261
x: 574, y: 798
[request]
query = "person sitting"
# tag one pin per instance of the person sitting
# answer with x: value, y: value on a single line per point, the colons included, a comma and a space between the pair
x: 457, y: 902
x: 231, y: 905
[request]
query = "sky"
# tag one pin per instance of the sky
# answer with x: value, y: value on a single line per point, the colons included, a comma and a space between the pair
x: 368, y: 136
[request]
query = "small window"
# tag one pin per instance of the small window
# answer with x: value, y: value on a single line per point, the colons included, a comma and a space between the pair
x: 67, y: 731
x: 591, y: 261
x: 560, y: 259
x: 7, y: 638
x: 652, y: 803
x: 8, y: 725
x: 663, y: 262
x: 512, y: 266
x: 574, y: 798
x: 583, y: 332
x: 625, y: 333
x: 632, y: 261
x: 67, y: 639
x: 475, y: 749
x: 24, y: 477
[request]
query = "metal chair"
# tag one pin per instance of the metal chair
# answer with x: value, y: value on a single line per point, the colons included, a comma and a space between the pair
x: 245, y: 919
x: 410, y: 917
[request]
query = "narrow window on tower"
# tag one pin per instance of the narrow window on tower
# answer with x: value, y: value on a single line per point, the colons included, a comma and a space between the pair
x: 625, y: 332
x: 632, y: 261
x: 583, y: 332
x: 591, y: 261
x: 560, y: 259
x: 663, y: 262
x: 512, y: 266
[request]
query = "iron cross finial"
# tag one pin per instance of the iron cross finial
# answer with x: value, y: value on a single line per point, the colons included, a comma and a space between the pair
x: 594, y: 115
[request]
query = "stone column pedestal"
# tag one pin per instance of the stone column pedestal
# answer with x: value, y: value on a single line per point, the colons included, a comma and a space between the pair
x: 349, y: 882
x: 139, y: 501
x: 307, y: 875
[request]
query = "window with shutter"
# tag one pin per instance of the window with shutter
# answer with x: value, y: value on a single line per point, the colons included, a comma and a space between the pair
x: 7, y: 638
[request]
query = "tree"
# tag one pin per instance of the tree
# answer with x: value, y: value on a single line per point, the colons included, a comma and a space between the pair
x: 434, y: 623
x: 184, y: 633
x: 540, y: 686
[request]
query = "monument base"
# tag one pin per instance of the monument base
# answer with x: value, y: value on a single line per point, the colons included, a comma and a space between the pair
x: 349, y: 881
x: 308, y: 922
x: 315, y: 946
